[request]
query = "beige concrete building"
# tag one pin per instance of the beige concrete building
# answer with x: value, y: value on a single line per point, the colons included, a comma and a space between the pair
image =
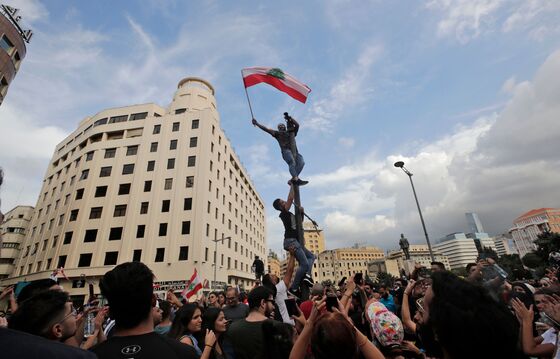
x: 419, y: 253
x: 273, y: 264
x: 527, y: 227
x: 13, y: 230
x: 344, y: 262
x: 151, y: 184
x: 314, y: 242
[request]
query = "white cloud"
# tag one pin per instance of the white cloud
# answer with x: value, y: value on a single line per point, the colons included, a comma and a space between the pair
x: 25, y: 154
x: 353, y: 88
x: 464, y: 19
x: 500, y: 167
x: 31, y: 11
x: 509, y: 85
x: 347, y: 142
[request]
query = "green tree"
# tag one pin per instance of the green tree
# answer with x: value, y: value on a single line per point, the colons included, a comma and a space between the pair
x: 533, y: 260
x: 547, y: 242
x: 512, y: 264
x: 384, y: 279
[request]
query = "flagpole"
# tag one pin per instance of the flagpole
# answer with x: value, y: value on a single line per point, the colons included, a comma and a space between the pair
x: 247, y: 94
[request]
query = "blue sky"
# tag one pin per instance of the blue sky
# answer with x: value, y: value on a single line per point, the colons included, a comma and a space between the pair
x: 465, y: 92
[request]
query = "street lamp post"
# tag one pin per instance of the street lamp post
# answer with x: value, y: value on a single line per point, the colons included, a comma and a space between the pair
x: 216, y: 254
x: 400, y: 164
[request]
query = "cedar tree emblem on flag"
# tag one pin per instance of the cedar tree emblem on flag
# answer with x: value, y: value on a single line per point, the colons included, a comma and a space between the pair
x: 277, y: 78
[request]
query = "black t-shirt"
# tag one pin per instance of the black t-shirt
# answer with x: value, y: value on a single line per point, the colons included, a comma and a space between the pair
x: 16, y: 344
x: 245, y: 339
x: 259, y: 266
x: 289, y: 221
x: 151, y: 345
x: 283, y: 138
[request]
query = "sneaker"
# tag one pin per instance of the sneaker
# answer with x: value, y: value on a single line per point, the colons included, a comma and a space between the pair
x: 308, y: 281
x: 301, y: 182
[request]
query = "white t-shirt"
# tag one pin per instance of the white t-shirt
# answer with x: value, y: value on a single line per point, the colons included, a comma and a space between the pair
x: 281, y: 294
x: 549, y: 337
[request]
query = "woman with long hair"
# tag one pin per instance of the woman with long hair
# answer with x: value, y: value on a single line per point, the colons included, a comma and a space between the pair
x: 186, y: 326
x: 213, y: 321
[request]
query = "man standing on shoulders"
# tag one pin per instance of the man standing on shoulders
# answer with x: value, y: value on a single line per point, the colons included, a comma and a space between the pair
x: 129, y: 292
x: 234, y: 310
x: 291, y: 243
x: 244, y: 338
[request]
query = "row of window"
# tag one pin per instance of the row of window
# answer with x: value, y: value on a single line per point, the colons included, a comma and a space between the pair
x: 111, y: 258
x: 115, y: 233
x: 136, y: 132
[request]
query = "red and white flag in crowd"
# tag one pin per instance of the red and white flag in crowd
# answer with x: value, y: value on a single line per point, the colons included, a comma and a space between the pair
x: 277, y: 78
x: 195, y: 284
x: 56, y: 272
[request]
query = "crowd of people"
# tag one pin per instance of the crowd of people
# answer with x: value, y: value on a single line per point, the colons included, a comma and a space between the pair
x: 432, y: 313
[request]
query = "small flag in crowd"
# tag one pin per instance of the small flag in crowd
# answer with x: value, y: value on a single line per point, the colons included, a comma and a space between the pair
x: 56, y: 272
x: 277, y: 78
x: 195, y: 284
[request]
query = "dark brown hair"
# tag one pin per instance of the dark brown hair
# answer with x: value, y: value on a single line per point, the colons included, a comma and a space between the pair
x: 333, y: 337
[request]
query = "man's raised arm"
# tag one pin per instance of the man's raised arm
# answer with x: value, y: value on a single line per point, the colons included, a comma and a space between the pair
x: 265, y: 129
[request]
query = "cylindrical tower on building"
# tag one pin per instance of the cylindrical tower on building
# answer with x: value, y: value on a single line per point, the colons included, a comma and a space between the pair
x: 12, y: 47
x: 145, y: 183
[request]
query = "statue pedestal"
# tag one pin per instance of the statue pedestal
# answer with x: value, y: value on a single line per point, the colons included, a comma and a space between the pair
x: 409, y: 266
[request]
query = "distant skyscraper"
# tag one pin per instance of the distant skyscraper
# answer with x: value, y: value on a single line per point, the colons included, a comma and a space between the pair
x: 475, y: 226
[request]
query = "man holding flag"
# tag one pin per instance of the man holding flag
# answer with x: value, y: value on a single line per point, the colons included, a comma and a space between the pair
x: 283, y: 137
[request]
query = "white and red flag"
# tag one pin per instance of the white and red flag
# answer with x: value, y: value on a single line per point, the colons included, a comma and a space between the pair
x: 277, y: 78
x: 195, y: 284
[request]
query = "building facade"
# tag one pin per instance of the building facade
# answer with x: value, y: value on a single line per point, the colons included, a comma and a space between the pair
x: 273, y: 264
x: 419, y: 253
x: 13, y: 230
x: 151, y: 184
x: 458, y: 249
x: 527, y: 227
x: 12, y: 47
x: 502, y: 243
x: 314, y: 242
x: 335, y: 264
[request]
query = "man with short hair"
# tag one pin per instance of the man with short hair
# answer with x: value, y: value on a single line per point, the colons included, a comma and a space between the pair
x: 318, y: 290
x: 48, y: 314
x: 437, y: 267
x: 296, y: 164
x: 234, y: 310
x: 258, y: 268
x: 129, y: 292
x: 291, y: 243
x: 387, y: 299
x: 244, y: 338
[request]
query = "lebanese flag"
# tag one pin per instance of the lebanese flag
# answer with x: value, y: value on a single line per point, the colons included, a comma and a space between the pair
x: 195, y: 284
x: 277, y: 78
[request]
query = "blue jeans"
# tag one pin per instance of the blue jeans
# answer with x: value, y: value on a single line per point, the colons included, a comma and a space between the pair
x: 304, y: 257
x: 295, y: 165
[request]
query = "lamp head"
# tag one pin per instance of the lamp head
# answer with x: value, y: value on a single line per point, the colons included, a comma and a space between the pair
x: 399, y: 164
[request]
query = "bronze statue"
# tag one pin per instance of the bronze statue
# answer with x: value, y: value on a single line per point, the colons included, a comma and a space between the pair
x: 403, y: 243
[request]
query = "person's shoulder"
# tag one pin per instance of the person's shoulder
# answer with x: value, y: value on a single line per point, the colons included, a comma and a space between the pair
x: 22, y: 345
x: 182, y: 350
x: 281, y: 286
